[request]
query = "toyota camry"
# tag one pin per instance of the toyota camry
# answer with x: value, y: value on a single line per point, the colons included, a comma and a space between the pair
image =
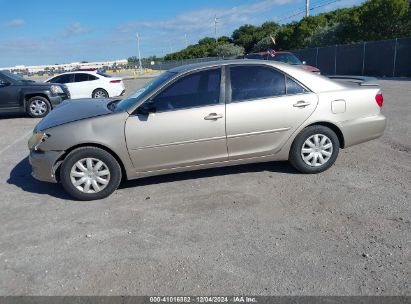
x: 201, y: 116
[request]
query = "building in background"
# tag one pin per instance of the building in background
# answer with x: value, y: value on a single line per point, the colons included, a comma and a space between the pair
x: 33, y: 69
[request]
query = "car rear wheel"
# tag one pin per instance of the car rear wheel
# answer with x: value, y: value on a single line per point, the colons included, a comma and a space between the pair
x: 99, y: 93
x: 90, y: 173
x: 38, y: 107
x: 314, y: 150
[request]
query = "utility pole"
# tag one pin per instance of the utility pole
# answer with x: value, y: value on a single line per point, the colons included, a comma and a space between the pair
x: 215, y: 27
x: 140, y: 67
x: 186, y: 40
x: 307, y: 8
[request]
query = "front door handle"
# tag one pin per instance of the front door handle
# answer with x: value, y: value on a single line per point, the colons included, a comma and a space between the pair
x: 301, y: 104
x: 213, y: 116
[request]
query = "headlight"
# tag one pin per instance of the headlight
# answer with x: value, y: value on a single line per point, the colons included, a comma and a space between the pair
x: 36, y: 139
x: 56, y: 89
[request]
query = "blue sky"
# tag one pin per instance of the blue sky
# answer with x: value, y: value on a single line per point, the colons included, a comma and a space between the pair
x: 48, y: 31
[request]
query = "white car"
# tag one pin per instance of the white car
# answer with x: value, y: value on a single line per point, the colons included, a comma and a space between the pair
x: 86, y: 84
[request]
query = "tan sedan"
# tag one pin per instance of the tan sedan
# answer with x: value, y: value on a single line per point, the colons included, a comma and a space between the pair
x: 202, y: 116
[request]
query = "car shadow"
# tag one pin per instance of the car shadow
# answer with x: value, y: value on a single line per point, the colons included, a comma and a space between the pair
x: 13, y: 115
x: 274, y: 167
x: 20, y: 176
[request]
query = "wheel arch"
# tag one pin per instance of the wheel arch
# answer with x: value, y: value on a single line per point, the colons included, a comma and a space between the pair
x: 333, y: 127
x: 92, y: 93
x: 27, y: 97
x: 60, y: 160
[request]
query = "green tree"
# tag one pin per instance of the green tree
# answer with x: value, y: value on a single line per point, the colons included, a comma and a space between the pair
x: 373, y: 20
x: 245, y: 36
x: 133, y: 60
x: 382, y: 19
x: 229, y: 50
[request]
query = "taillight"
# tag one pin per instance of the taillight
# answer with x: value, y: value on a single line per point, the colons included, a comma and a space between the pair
x: 379, y: 99
x: 115, y: 81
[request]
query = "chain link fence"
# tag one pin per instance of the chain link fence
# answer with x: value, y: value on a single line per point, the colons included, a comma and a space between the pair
x: 386, y: 58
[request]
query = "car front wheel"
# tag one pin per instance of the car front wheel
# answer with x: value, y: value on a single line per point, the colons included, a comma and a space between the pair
x: 90, y: 173
x: 38, y: 107
x: 314, y: 150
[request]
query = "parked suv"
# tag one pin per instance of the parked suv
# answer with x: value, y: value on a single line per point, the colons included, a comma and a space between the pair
x: 285, y: 57
x: 18, y: 94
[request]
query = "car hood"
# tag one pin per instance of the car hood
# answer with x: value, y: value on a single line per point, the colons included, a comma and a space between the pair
x: 35, y: 84
x: 73, y: 110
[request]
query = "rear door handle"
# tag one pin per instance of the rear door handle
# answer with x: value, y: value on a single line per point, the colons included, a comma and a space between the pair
x: 301, y: 104
x: 213, y: 116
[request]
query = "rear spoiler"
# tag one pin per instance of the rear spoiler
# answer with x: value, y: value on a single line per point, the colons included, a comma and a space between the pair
x: 360, y: 80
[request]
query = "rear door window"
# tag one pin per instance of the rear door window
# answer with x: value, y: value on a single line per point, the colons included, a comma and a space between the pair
x: 80, y: 77
x: 254, y: 82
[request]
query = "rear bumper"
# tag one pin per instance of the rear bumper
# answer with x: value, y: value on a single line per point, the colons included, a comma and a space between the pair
x: 360, y: 130
x: 42, y: 165
x: 116, y: 90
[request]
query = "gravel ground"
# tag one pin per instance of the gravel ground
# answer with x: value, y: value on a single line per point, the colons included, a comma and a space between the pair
x: 254, y: 229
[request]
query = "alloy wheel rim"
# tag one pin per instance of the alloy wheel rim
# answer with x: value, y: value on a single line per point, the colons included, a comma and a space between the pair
x: 317, y: 150
x: 90, y: 175
x: 100, y: 94
x: 38, y: 107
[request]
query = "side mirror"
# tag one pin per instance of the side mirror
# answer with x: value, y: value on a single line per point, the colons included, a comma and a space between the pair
x: 146, y: 108
x: 304, y: 62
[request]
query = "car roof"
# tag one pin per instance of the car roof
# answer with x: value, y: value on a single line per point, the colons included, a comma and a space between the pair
x: 266, y: 53
x: 77, y: 72
x: 201, y: 65
x: 314, y: 82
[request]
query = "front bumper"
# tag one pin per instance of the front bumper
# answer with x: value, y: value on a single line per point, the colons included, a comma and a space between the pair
x: 43, y: 165
x: 363, y: 129
x: 56, y: 100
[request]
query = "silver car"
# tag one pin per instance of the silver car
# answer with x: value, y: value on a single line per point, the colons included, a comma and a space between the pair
x: 201, y: 116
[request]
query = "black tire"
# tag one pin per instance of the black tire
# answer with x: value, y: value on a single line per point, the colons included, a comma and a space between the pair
x: 110, y: 163
x: 38, y: 107
x: 99, y: 93
x: 296, y: 152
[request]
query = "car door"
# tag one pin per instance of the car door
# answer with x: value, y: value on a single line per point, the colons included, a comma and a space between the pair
x: 264, y: 108
x: 93, y: 83
x: 187, y: 129
x: 82, y: 85
x: 8, y: 94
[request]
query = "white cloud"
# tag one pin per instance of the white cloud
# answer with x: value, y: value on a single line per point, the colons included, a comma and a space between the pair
x: 16, y: 23
x: 76, y: 28
x: 193, y: 21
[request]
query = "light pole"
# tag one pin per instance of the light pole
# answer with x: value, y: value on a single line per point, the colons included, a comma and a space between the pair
x: 215, y: 27
x: 307, y: 8
x: 186, y: 40
x: 140, y: 67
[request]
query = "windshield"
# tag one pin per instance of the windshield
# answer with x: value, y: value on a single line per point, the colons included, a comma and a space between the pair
x: 13, y: 76
x: 148, y: 88
x: 287, y: 58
